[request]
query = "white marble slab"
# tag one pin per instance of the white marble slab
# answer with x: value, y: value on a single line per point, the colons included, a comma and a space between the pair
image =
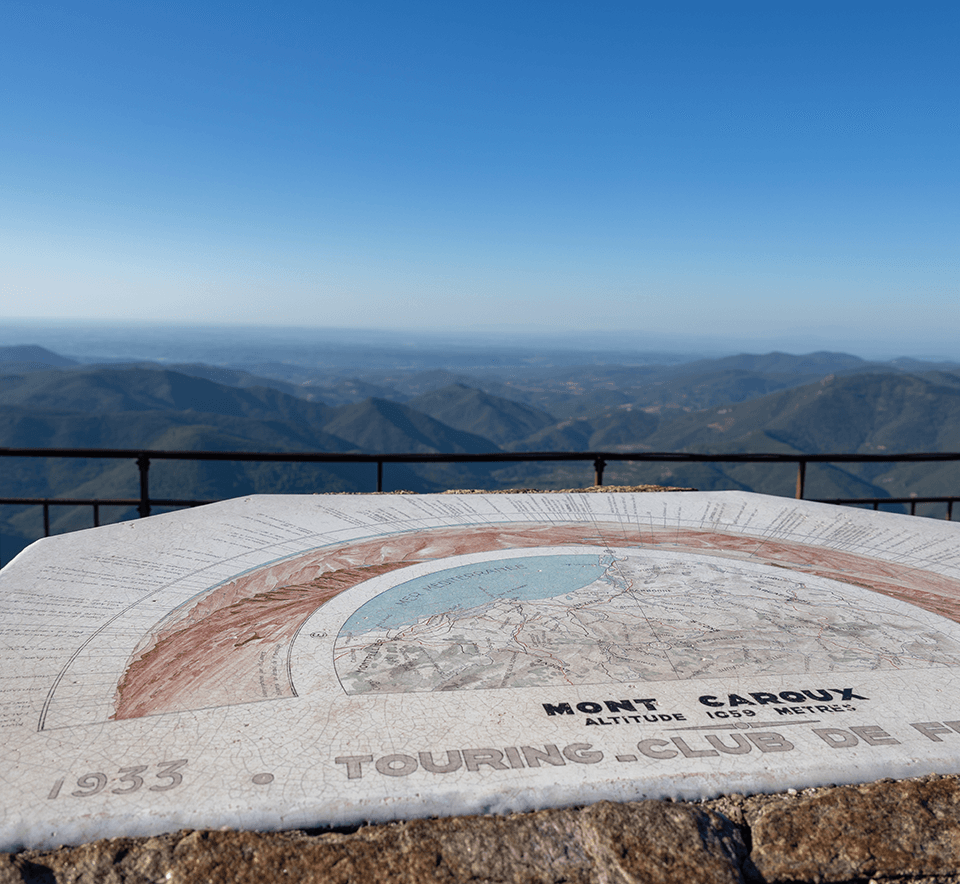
x: 287, y: 661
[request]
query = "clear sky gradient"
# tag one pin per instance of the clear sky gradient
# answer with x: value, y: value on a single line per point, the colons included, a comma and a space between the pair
x: 778, y: 172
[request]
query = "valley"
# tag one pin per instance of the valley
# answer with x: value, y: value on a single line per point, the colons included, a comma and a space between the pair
x: 815, y: 403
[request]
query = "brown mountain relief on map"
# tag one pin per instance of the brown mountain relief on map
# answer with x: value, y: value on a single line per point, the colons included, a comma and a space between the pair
x: 229, y: 652
x: 231, y: 645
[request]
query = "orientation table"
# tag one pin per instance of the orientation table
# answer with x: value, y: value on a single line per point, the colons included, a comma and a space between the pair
x: 303, y: 661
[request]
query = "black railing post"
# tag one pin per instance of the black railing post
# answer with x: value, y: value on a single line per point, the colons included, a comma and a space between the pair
x: 801, y: 477
x: 143, y: 463
x: 96, y: 515
x: 379, y: 475
x: 598, y: 466
x: 46, y: 520
x: 949, y: 510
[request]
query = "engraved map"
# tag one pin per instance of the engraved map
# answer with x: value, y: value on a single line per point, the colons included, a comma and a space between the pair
x: 565, y: 617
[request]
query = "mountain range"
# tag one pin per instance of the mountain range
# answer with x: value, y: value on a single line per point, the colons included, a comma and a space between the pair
x: 815, y: 403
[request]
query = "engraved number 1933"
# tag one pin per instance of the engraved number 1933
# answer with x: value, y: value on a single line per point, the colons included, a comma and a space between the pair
x: 129, y: 780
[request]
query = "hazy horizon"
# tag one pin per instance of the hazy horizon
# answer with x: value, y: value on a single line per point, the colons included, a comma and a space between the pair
x: 170, y: 342
x: 715, y: 177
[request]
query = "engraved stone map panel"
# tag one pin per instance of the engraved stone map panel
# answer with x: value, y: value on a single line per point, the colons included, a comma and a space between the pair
x: 281, y: 661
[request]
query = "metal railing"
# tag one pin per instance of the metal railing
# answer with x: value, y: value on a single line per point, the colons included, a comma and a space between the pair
x: 876, y: 501
x: 600, y: 459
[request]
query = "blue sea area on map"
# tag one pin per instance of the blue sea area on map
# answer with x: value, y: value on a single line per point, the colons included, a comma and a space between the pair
x: 470, y: 586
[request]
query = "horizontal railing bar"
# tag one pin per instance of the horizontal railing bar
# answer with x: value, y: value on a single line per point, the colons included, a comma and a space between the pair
x: 486, y: 457
x: 946, y: 499
x: 134, y: 501
x: 99, y: 501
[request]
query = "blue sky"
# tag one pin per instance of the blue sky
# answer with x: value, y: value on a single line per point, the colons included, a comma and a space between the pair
x: 781, y: 173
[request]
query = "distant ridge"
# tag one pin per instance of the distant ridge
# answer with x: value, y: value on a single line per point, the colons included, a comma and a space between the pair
x: 381, y: 425
x: 465, y: 408
x: 822, y: 362
x: 31, y: 356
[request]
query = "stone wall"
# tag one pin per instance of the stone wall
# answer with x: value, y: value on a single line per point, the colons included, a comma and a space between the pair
x: 906, y: 830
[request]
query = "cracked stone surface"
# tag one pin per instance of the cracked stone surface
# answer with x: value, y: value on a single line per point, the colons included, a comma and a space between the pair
x: 893, y: 831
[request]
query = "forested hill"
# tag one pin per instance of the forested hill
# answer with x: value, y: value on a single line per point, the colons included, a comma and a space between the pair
x: 773, y: 403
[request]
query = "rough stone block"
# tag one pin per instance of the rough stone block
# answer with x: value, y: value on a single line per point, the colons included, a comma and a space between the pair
x: 657, y: 842
x: 650, y: 841
x: 905, y: 829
